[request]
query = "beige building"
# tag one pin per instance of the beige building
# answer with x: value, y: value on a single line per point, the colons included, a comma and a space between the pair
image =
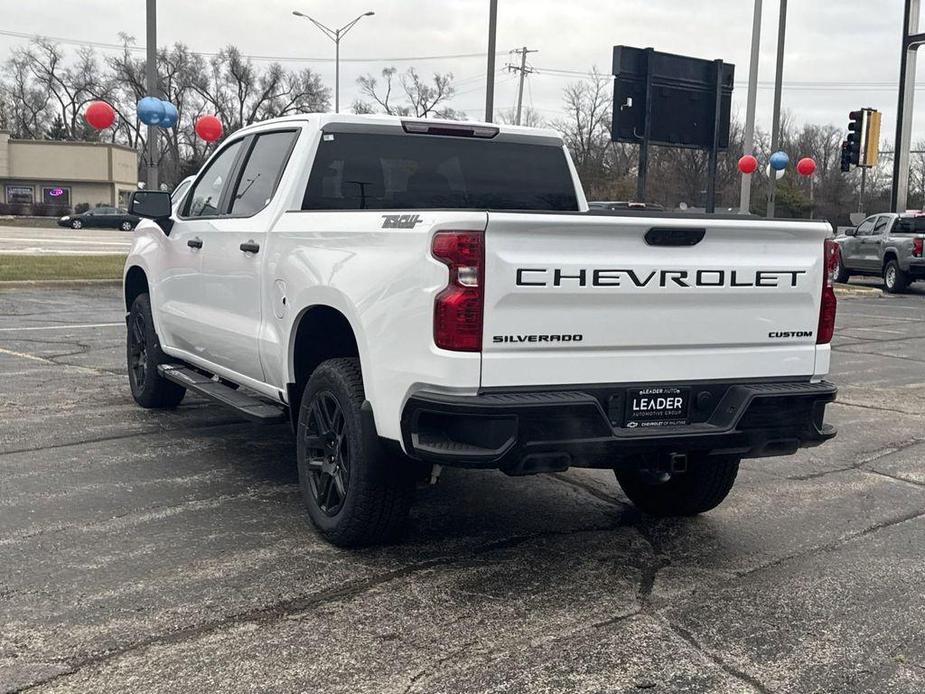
x: 60, y: 174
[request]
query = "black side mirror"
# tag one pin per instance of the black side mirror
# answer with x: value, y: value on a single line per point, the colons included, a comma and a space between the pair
x: 152, y: 204
x: 851, y: 232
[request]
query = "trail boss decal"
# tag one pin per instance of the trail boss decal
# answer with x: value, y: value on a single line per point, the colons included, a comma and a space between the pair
x: 401, y: 221
x: 625, y: 277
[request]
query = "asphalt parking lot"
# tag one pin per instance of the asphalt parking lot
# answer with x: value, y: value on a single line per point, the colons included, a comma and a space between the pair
x: 167, y: 551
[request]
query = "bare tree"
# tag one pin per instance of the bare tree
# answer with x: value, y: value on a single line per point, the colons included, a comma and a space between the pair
x: 70, y: 86
x: 26, y: 102
x: 530, y: 117
x: 419, y: 98
x: 603, y: 166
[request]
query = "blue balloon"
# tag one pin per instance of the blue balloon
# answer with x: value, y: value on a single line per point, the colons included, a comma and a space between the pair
x: 151, y: 110
x: 779, y: 161
x: 171, y: 115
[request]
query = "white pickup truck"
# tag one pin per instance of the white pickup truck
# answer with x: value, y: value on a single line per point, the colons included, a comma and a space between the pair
x: 415, y: 294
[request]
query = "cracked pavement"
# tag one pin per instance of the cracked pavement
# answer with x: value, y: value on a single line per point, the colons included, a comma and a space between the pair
x: 168, y: 551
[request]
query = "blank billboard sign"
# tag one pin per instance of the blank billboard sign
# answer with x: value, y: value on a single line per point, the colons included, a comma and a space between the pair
x: 682, y: 93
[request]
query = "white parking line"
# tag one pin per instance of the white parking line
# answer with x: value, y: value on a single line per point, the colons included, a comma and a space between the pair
x: 25, y: 356
x: 63, y: 327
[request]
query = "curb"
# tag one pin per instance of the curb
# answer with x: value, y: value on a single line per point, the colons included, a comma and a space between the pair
x: 853, y: 290
x: 51, y: 284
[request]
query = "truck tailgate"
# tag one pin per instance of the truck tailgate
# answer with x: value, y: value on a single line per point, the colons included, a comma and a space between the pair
x: 577, y: 299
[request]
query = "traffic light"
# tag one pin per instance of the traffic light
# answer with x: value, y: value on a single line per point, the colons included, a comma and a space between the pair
x: 872, y: 139
x: 845, y: 157
x: 855, y: 139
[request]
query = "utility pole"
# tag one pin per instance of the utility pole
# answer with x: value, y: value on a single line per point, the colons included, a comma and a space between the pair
x: 775, y: 123
x: 151, y: 82
x: 912, y: 39
x: 745, y: 195
x: 863, y: 186
x: 524, y: 71
x: 492, y: 48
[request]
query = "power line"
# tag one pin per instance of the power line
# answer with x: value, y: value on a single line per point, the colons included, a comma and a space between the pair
x: 794, y: 85
x: 260, y: 58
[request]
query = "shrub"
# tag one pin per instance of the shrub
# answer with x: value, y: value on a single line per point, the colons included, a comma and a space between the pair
x: 81, y: 207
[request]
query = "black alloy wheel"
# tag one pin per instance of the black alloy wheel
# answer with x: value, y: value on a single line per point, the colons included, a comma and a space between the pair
x: 143, y: 356
x: 138, y: 351
x: 328, y: 454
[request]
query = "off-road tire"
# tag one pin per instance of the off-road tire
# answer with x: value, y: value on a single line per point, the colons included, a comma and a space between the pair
x: 894, y: 280
x: 379, y: 488
x: 143, y: 355
x: 702, y: 487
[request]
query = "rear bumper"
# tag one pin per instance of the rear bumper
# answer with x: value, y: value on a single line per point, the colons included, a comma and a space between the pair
x: 540, y: 429
x: 916, y: 268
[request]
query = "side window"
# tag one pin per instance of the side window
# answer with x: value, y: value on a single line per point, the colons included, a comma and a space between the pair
x: 179, y: 191
x: 262, y: 172
x: 204, y: 199
x: 867, y: 226
x: 881, y: 224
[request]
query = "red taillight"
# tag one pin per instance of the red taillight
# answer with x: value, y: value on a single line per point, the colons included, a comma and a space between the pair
x: 917, y: 245
x: 458, y: 308
x: 829, y: 302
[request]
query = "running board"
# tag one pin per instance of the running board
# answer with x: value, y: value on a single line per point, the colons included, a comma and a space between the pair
x: 252, y: 407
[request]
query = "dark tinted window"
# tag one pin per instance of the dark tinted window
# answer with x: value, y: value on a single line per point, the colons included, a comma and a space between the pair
x: 385, y: 172
x: 909, y: 225
x: 204, y: 199
x: 261, y: 173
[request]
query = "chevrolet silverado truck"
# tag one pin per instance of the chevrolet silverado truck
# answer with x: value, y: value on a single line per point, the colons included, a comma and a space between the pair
x: 414, y: 294
x: 887, y: 245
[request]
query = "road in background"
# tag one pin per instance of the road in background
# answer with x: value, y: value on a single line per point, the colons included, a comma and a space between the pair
x: 63, y: 241
x: 169, y: 551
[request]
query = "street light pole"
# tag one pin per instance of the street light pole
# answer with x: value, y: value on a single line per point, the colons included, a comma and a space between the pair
x: 335, y: 35
x: 745, y: 195
x: 775, y: 118
x: 492, y: 48
x: 151, y: 182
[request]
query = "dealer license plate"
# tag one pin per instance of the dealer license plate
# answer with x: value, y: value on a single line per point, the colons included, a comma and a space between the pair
x: 658, y: 406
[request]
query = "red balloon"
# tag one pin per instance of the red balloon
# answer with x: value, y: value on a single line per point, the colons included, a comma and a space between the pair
x: 748, y: 164
x: 99, y: 115
x: 806, y: 166
x: 209, y: 128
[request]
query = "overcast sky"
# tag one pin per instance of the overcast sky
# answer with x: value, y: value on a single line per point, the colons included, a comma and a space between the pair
x: 831, y: 44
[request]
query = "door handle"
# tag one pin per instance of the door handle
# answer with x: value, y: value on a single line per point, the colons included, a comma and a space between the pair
x: 250, y: 247
x: 194, y: 243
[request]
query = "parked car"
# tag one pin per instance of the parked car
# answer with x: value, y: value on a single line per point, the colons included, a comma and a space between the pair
x: 101, y: 217
x: 887, y: 245
x: 412, y: 294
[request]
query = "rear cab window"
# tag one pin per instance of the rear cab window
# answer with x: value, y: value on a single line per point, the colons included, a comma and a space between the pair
x: 909, y: 225
x: 372, y: 171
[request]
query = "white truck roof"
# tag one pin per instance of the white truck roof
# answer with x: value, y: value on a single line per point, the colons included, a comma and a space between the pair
x: 349, y: 122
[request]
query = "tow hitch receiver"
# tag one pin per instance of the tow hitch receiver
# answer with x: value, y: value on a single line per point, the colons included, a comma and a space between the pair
x: 661, y: 468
